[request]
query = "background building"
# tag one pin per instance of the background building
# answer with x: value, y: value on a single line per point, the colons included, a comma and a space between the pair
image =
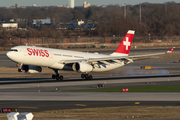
x: 71, y: 3
x: 86, y: 4
x: 9, y: 26
x: 17, y: 5
x: 75, y: 24
x: 37, y: 22
x: 34, y: 5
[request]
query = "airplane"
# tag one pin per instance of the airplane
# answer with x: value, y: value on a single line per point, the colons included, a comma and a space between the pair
x: 31, y: 59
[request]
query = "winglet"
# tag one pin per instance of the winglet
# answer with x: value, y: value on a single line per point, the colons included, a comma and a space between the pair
x: 170, y: 51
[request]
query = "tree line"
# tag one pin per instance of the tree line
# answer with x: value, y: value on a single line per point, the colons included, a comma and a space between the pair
x: 156, y: 20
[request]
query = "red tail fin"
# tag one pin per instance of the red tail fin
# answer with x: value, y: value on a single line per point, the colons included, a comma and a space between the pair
x: 170, y: 51
x: 125, y: 45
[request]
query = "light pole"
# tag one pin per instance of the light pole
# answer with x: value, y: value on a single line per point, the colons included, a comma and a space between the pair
x: 140, y: 12
x: 149, y: 37
x: 125, y: 10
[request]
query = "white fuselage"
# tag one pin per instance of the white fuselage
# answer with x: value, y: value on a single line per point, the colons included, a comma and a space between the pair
x: 39, y: 56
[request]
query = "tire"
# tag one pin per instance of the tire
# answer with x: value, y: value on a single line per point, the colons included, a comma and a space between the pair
x: 53, y: 76
x: 86, y: 78
x: 86, y: 75
x: 61, y: 78
x: 90, y: 77
x: 57, y: 77
x: 82, y: 76
x: 19, y: 70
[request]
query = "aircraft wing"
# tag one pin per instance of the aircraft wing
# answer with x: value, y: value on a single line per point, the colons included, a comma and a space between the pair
x: 113, y: 58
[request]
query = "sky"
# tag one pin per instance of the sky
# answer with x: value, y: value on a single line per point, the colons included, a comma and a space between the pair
x: 8, y: 3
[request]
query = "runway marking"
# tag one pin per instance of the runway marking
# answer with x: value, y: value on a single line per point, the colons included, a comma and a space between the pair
x: 137, y: 103
x: 80, y: 105
x: 28, y: 107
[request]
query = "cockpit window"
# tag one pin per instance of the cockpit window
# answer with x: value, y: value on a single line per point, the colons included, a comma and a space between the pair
x: 13, y: 50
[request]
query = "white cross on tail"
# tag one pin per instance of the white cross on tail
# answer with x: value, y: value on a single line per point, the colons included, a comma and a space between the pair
x: 127, y: 43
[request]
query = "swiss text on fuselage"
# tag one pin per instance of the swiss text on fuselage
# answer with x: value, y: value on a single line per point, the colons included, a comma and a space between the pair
x: 37, y: 52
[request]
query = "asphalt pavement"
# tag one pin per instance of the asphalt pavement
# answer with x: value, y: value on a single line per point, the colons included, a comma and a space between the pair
x: 42, y: 94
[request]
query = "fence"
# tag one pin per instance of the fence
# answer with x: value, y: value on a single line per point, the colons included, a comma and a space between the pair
x: 94, y: 42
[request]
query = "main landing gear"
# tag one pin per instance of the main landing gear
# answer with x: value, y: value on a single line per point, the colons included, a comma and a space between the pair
x: 56, y: 76
x: 86, y: 76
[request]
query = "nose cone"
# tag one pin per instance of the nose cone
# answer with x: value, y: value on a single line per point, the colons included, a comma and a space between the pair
x: 14, y: 55
x: 11, y: 55
x: 8, y: 54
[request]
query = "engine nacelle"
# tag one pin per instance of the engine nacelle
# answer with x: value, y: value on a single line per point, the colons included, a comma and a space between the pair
x: 82, y: 67
x: 31, y: 69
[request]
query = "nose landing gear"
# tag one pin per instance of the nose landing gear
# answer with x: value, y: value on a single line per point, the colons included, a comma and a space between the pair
x: 20, y: 67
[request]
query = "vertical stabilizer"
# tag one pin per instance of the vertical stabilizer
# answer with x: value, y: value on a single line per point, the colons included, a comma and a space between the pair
x: 124, y: 47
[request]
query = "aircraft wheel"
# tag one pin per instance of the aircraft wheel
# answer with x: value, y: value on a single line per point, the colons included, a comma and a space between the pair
x: 82, y: 76
x: 90, y: 77
x: 57, y: 77
x: 86, y: 76
x: 53, y: 76
x: 19, y: 70
x: 61, y: 77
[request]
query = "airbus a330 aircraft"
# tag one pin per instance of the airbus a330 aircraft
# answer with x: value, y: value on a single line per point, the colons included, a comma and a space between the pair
x: 31, y: 59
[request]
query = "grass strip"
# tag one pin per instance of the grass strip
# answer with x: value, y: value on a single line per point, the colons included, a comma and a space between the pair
x: 166, y: 88
x: 109, y: 113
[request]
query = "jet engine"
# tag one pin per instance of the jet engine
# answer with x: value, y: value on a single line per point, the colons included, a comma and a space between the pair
x: 82, y: 67
x: 31, y: 69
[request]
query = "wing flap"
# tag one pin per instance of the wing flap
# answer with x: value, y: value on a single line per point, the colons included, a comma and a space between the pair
x: 105, y: 62
x: 117, y: 61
